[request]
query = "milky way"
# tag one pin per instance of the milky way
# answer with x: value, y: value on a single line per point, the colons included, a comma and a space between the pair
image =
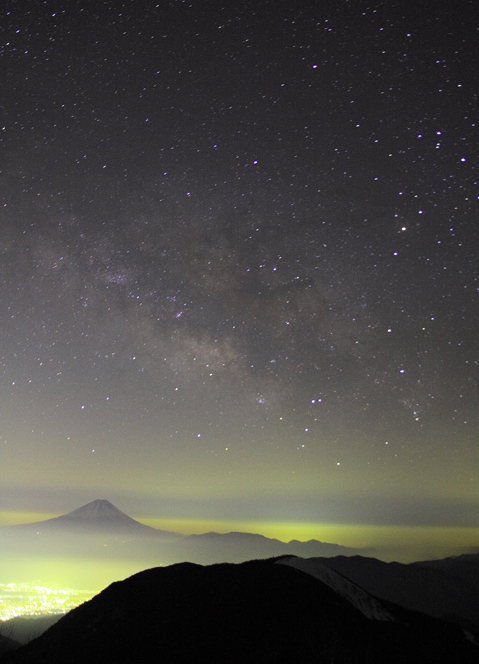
x: 239, y: 260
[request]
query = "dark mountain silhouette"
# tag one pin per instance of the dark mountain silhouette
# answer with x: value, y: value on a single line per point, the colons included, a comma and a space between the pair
x: 7, y: 644
x: 255, y: 612
x: 447, y: 588
x: 23, y: 629
x: 461, y: 567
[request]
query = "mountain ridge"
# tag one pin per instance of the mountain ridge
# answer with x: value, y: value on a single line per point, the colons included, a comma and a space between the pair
x: 100, y: 516
x: 257, y: 611
x: 446, y: 588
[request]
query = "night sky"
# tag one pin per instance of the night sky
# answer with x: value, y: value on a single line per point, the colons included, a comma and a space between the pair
x: 239, y: 274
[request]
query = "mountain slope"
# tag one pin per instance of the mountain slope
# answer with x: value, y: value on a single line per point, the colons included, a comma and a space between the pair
x: 362, y: 600
x: 255, y: 612
x: 7, y: 644
x: 446, y: 588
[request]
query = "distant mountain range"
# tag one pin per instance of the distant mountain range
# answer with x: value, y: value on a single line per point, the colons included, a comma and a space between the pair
x: 447, y: 589
x: 277, y: 611
x: 88, y: 528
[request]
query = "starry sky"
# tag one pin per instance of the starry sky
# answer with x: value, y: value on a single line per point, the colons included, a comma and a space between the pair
x: 238, y: 265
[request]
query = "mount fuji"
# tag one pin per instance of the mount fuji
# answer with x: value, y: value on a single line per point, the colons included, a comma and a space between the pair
x: 99, y: 516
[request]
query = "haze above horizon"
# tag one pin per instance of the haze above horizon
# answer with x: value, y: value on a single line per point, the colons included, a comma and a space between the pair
x: 401, y: 543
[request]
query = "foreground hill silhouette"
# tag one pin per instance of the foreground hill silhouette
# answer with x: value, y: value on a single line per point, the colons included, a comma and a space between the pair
x: 255, y: 612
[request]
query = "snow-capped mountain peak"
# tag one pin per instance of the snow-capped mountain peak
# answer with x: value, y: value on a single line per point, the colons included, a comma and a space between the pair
x: 97, y: 509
